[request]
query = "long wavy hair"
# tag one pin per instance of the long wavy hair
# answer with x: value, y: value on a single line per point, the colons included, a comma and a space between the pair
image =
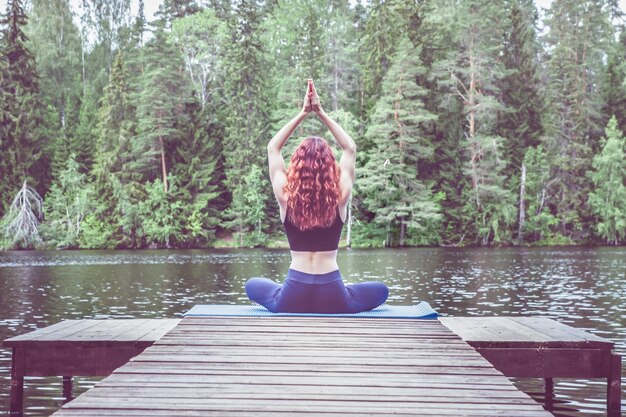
x: 312, y: 185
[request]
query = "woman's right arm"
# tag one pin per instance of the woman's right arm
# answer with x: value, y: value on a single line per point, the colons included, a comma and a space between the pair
x: 347, y: 163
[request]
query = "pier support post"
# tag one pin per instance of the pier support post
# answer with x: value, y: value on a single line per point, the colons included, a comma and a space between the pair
x: 614, y: 387
x: 67, y: 388
x: 548, y: 392
x: 17, y: 386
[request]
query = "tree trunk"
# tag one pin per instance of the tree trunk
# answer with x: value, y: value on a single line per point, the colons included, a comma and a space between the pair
x: 402, y: 231
x: 522, y: 205
x: 163, y: 168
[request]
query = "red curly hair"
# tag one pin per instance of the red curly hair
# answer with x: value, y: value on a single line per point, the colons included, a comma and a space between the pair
x: 312, y: 185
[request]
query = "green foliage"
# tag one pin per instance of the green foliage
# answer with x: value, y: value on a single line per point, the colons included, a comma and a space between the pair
x: 247, y: 209
x: 67, y: 203
x: 162, y: 215
x: 520, y: 124
x: 447, y: 101
x: 21, y: 110
x: 391, y: 185
x: 608, y: 199
x: 540, y: 222
x: 578, y: 38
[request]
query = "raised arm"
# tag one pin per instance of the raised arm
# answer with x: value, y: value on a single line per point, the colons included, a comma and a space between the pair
x: 347, y: 163
x: 278, y: 172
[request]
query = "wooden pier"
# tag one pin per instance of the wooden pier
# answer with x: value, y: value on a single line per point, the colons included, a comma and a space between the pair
x: 330, y: 366
x: 277, y: 366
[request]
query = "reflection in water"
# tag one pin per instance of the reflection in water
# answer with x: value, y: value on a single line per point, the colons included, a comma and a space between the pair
x: 584, y: 287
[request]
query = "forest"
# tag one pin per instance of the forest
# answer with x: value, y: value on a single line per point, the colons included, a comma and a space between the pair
x: 477, y: 122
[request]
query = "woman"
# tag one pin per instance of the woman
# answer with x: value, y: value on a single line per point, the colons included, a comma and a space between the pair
x: 313, y: 196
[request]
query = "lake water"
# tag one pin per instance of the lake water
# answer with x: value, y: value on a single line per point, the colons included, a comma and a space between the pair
x: 582, y: 287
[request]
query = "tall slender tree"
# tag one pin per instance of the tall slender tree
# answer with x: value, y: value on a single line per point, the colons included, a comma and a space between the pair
x: 520, y: 124
x: 391, y: 184
x: 247, y: 113
x: 160, y: 102
x: 577, y: 40
x: 608, y: 199
x: 21, y: 110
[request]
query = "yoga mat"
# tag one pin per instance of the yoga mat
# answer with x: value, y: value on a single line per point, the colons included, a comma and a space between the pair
x: 418, y: 311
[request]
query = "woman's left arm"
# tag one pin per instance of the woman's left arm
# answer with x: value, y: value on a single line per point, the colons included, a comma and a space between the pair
x: 278, y: 172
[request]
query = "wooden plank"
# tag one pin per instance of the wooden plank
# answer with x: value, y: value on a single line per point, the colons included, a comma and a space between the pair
x: 60, y: 329
x: 313, y: 393
x: 316, y: 366
x: 273, y: 346
x: 226, y: 413
x: 161, y: 328
x: 562, y: 331
x: 319, y: 340
x: 521, y: 332
x: 88, y: 400
x: 486, y: 384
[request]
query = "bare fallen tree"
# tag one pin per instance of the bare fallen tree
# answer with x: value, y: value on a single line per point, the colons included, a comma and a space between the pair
x: 23, y: 218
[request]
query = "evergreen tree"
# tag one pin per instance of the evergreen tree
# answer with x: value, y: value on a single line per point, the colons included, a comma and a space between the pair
x: 577, y: 41
x: 470, y: 73
x: 614, y: 89
x: 246, y: 117
x: 160, y: 102
x: 115, y: 179
x: 384, y: 25
x: 539, y: 221
x: 67, y: 203
x: 162, y: 215
x: 21, y: 111
x: 520, y: 125
x: 199, y: 169
x: 608, y: 198
x: 391, y: 185
x: 341, y: 79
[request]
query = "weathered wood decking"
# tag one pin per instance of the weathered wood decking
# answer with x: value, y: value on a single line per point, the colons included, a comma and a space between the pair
x: 537, y: 347
x: 79, y: 347
x: 278, y: 366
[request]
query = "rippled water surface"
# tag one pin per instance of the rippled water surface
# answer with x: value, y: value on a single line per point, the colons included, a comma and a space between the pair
x: 582, y: 287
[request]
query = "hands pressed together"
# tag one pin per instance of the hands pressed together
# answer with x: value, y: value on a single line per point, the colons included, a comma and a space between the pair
x: 311, y: 100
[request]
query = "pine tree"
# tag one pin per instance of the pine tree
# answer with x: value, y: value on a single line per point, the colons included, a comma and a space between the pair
x: 67, y: 203
x: 199, y: 169
x: 520, y: 125
x: 247, y: 116
x: 160, y: 102
x: 577, y: 39
x: 470, y: 73
x: 21, y: 110
x: 391, y: 184
x: 539, y: 222
x: 384, y: 25
x: 614, y: 89
x: 115, y: 181
x: 608, y: 198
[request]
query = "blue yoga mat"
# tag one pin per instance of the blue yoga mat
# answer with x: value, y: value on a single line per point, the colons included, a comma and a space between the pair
x: 418, y: 311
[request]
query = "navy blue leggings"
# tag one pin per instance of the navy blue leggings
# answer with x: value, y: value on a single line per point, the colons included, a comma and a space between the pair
x: 313, y: 293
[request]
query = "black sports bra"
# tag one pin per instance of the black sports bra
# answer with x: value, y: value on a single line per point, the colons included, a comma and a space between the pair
x: 318, y: 239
